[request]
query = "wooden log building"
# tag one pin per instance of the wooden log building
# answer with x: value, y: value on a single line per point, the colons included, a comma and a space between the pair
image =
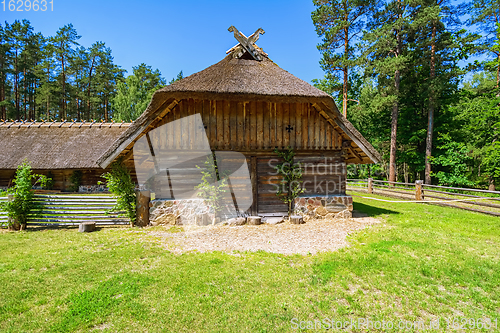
x: 247, y: 103
x: 250, y: 105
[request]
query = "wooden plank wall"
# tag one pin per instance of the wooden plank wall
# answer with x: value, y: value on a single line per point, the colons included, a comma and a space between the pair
x: 6, y: 177
x: 268, y: 181
x: 243, y: 126
x: 61, y: 177
x: 323, y: 174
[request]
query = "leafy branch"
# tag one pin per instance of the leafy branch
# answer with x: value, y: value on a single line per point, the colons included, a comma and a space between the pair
x: 291, y: 184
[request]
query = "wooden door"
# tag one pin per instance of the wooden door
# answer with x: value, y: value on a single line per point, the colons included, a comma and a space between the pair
x: 268, y: 182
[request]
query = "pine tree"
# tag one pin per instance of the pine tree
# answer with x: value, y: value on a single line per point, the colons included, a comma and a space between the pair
x: 340, y: 23
x: 486, y: 14
x: 4, y: 69
x: 387, y: 44
x: 63, y: 42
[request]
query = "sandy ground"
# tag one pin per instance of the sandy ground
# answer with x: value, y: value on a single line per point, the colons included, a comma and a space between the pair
x: 312, y: 237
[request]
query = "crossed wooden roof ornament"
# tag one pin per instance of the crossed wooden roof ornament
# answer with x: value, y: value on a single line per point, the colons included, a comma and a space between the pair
x: 246, y: 44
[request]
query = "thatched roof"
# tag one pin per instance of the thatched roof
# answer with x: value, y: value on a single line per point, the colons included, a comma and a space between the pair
x: 244, y: 76
x: 239, y: 79
x: 58, y: 146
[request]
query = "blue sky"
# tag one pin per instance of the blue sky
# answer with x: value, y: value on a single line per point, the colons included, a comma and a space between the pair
x: 186, y: 35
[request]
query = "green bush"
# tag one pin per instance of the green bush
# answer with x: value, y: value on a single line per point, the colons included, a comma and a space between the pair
x: 119, y: 182
x: 291, y: 185
x: 22, y: 204
x: 210, y: 188
x: 50, y: 182
x: 76, y: 180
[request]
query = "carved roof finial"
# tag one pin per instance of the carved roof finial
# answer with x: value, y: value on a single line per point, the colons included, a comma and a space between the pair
x: 246, y: 44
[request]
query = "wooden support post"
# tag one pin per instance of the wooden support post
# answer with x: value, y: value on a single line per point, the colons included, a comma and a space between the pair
x: 419, y: 193
x: 142, y: 207
x: 253, y: 177
x: 370, y: 185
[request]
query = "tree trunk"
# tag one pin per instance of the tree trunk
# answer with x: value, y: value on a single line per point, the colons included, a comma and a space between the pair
x: 106, y: 109
x: 62, y: 114
x: 491, y: 186
x: 48, y: 93
x: 16, y: 89
x: 3, y: 113
x: 88, y: 87
x: 498, y: 70
x: 142, y: 208
x: 394, y: 129
x: 346, y: 71
x: 430, y: 120
x: 395, y: 111
x: 25, y: 88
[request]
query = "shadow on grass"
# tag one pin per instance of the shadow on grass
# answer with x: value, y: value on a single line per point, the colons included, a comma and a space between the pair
x: 372, y: 210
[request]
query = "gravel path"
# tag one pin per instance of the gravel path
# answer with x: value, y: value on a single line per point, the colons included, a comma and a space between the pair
x: 312, y: 237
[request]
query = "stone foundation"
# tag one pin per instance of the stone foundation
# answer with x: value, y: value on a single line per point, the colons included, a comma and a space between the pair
x: 198, y: 212
x: 326, y: 206
x: 182, y: 212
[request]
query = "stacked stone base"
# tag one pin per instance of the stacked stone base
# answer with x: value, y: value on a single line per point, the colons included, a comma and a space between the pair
x: 198, y: 212
x: 339, y: 206
x: 181, y: 212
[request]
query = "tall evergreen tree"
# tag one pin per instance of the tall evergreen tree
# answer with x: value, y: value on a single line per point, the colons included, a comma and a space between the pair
x: 486, y: 14
x: 387, y: 48
x: 45, y: 96
x: 4, y: 70
x: 64, y: 41
x: 340, y: 23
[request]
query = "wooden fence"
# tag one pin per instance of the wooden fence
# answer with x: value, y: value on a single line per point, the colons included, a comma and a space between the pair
x: 69, y: 210
x: 482, y: 201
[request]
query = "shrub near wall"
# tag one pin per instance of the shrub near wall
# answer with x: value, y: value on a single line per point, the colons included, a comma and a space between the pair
x: 22, y: 204
x: 119, y: 182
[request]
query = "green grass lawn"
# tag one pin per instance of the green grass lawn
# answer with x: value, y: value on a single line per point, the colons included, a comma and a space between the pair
x: 424, y: 262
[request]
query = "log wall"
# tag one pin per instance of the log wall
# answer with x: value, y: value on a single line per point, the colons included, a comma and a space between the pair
x: 241, y: 126
x: 61, y: 178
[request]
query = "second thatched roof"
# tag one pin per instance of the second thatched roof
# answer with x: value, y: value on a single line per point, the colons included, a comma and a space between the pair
x: 57, y: 146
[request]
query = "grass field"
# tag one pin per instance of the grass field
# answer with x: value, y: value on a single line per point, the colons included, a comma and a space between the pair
x: 423, y: 263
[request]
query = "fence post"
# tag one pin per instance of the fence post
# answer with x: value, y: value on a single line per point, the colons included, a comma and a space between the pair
x: 370, y: 185
x: 142, y: 207
x: 418, y: 190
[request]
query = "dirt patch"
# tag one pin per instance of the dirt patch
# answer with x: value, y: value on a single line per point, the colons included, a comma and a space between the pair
x: 312, y: 237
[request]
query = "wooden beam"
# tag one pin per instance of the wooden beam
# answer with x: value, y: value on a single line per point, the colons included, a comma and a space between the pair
x: 253, y: 178
x: 336, y: 122
x: 137, y: 133
x: 351, y: 149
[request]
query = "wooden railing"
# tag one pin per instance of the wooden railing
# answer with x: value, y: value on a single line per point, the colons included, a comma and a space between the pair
x: 68, y: 209
x: 482, y: 201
